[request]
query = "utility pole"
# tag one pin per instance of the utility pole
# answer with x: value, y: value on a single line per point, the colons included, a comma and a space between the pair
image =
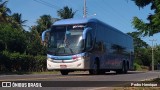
x: 85, y: 10
x: 153, y: 40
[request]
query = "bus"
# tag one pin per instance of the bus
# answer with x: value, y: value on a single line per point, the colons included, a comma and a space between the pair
x: 87, y: 44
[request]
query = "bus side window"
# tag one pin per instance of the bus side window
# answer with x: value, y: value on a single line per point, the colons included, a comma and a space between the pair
x: 98, y: 46
x: 89, y: 41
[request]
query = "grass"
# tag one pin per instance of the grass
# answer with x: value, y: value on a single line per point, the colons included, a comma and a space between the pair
x: 157, y: 80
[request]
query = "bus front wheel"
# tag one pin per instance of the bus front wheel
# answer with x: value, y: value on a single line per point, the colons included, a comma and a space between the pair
x: 95, y: 70
x: 64, y: 72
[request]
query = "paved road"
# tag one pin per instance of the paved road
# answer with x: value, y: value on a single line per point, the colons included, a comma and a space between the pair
x: 81, y: 78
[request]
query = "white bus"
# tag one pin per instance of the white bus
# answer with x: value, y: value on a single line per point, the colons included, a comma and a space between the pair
x: 88, y: 44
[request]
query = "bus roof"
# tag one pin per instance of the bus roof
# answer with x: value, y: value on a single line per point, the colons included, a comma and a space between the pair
x: 74, y: 21
x: 82, y: 21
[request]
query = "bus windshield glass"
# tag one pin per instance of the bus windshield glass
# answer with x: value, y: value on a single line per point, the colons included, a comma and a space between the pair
x: 66, y: 40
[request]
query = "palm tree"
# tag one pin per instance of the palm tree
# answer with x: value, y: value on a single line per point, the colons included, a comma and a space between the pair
x: 4, y: 12
x: 66, y: 13
x: 16, y: 19
x: 44, y: 23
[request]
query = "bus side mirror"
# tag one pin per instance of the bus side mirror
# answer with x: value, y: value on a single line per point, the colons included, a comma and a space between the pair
x: 44, y: 35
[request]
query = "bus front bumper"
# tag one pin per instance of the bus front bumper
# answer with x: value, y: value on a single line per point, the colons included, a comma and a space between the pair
x: 76, y: 65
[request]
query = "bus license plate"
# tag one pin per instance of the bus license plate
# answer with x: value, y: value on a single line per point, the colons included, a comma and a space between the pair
x: 63, y: 66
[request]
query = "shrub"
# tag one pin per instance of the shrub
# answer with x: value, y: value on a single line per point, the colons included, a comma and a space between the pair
x: 137, y: 67
x: 21, y: 62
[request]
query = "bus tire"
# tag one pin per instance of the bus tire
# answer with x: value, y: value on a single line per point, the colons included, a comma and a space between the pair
x: 64, y: 72
x: 126, y: 68
x: 123, y: 70
x: 95, y: 70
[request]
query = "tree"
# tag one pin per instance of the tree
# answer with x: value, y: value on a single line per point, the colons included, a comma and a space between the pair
x: 4, y: 12
x: 141, y: 50
x: 157, y: 54
x: 138, y: 43
x: 66, y: 13
x: 153, y: 26
x: 142, y: 3
x: 44, y: 23
x: 16, y: 20
x: 13, y: 40
x: 35, y: 46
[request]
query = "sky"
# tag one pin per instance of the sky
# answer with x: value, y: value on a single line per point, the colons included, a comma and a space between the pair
x: 117, y: 13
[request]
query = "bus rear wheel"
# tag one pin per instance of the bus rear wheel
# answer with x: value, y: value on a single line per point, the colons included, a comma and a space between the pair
x: 64, y: 72
x: 123, y: 70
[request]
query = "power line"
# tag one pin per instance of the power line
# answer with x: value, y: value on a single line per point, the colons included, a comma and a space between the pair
x: 46, y: 4
x: 115, y: 13
x: 105, y: 12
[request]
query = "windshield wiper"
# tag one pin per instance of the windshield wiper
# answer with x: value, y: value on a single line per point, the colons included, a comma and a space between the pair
x: 71, y: 50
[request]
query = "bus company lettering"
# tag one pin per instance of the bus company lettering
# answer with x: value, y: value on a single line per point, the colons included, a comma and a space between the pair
x: 34, y: 85
x: 14, y: 84
x: 78, y: 26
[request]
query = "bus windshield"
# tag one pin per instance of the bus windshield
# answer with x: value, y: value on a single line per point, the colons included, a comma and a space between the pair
x: 66, y: 40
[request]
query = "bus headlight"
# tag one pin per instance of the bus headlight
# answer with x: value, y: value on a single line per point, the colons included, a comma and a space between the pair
x: 77, y: 57
x: 49, y: 59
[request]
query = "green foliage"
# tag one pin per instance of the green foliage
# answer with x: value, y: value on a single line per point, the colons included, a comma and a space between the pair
x: 138, y: 42
x: 41, y: 63
x: 157, y: 54
x: 141, y: 50
x: 141, y: 26
x: 13, y: 39
x: 137, y: 67
x: 66, y: 13
x: 4, y: 12
x: 44, y: 23
x: 35, y: 46
x: 142, y: 3
x: 154, y: 19
x: 2, y: 45
x: 143, y: 56
x: 21, y: 50
x: 16, y: 20
x: 21, y: 62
